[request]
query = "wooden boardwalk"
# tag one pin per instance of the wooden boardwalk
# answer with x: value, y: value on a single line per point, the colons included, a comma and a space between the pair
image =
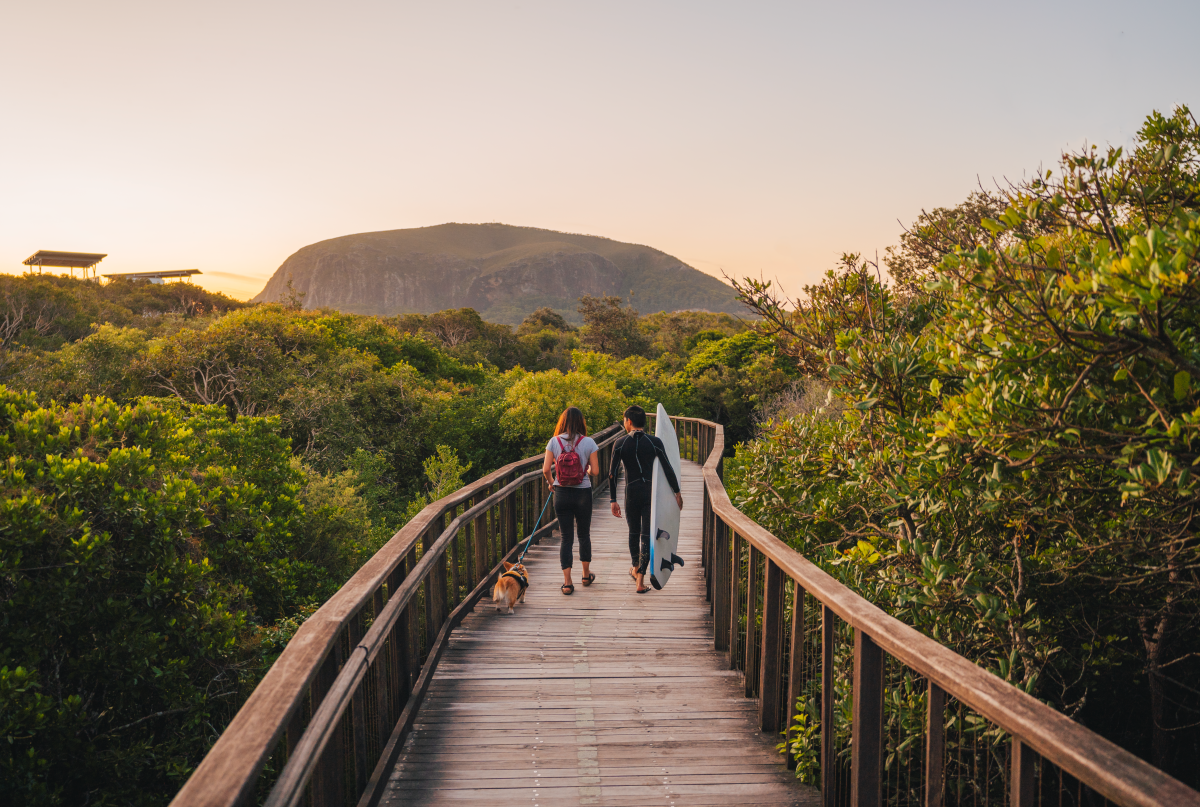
x: 605, y: 697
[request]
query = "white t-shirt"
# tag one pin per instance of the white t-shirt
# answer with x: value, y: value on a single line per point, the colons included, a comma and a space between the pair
x: 584, y: 448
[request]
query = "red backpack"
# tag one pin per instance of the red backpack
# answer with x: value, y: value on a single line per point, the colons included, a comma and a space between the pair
x: 568, y: 470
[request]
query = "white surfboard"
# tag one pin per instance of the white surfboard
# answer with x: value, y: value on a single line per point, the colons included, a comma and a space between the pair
x: 664, y: 512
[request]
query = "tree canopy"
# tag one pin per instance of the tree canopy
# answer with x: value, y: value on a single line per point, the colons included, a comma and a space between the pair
x: 1013, y: 471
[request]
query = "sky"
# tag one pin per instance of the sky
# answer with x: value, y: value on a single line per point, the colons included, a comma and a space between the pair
x: 751, y: 138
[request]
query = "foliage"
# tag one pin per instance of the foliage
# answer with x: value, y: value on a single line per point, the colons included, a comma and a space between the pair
x: 444, y: 474
x: 639, y: 380
x: 139, y: 548
x: 609, y: 328
x: 544, y: 319
x: 463, y: 334
x: 535, y: 400
x: 100, y: 364
x: 1018, y: 442
x: 733, y: 377
x: 547, y: 340
x: 45, y: 312
x: 674, y: 335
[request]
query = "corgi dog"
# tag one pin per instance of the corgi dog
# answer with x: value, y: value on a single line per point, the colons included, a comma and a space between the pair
x: 510, y: 588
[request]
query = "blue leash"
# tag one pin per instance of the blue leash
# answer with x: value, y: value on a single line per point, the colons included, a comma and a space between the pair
x: 535, y: 527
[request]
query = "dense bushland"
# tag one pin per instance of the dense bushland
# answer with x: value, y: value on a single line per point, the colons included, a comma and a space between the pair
x: 187, y: 478
x: 1006, y: 455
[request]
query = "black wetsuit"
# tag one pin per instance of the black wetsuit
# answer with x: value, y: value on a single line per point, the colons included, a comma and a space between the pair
x: 637, y: 452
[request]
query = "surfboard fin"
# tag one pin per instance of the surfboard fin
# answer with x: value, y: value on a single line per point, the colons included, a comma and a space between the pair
x: 672, y: 563
x: 654, y: 582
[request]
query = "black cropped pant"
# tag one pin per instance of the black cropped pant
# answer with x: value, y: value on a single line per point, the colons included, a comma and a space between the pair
x: 637, y: 516
x: 573, y: 506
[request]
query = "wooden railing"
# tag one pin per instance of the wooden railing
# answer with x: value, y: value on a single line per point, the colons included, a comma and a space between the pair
x: 786, y: 641
x: 327, y: 721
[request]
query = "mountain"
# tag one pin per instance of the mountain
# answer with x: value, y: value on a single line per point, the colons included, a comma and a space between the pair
x: 501, y: 271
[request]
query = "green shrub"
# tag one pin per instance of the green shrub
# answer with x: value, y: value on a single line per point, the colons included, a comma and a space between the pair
x: 140, y: 548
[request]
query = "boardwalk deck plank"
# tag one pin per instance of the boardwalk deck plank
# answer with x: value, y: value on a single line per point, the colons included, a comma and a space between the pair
x: 605, y: 697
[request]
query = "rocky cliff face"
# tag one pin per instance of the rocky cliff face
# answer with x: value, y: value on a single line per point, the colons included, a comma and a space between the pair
x: 501, y: 271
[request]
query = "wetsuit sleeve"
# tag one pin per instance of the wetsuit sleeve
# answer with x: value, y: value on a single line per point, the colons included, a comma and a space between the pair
x: 614, y: 468
x: 672, y: 480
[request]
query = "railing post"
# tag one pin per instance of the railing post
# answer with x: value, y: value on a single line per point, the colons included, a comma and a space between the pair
x: 734, y: 580
x: 455, y: 561
x: 413, y: 628
x: 751, y: 660
x: 327, y: 776
x: 295, y: 728
x: 1024, y: 761
x: 828, y: 740
x: 435, y: 587
x: 384, y: 662
x: 526, y: 506
x: 511, y: 501
x: 866, y: 729
x: 358, y: 726
x: 935, y: 746
x: 720, y: 584
x: 479, y: 541
x: 706, y: 560
x: 400, y: 644
x: 491, y: 532
x: 771, y: 679
x: 796, y: 663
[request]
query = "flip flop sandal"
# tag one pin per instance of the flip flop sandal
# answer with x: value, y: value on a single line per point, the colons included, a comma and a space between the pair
x: 632, y: 576
x: 589, y: 579
x: 644, y: 590
x: 568, y: 589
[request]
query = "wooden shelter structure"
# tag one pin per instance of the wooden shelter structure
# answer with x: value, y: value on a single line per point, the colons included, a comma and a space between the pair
x: 65, y: 260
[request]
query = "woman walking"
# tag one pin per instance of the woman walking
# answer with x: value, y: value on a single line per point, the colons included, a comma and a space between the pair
x: 571, y: 461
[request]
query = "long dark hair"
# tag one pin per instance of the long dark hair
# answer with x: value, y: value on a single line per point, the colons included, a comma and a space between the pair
x: 571, y: 422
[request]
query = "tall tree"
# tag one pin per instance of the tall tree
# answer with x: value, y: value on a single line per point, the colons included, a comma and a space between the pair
x: 610, y: 327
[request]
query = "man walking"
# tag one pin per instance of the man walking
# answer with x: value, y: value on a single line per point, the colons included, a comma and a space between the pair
x: 637, y: 452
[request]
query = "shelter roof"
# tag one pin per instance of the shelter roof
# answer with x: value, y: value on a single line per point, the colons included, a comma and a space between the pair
x: 73, y: 260
x: 151, y: 275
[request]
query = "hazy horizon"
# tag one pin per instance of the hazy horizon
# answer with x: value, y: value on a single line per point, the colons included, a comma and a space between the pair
x: 763, y: 138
